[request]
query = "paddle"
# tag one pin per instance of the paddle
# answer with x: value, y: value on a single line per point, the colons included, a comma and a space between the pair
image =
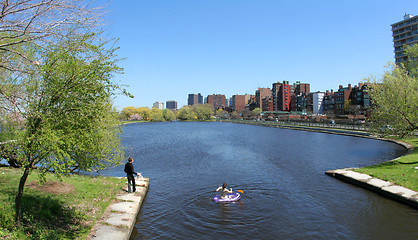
x: 238, y: 190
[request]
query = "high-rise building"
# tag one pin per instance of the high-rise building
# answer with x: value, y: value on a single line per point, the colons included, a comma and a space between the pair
x: 238, y: 102
x: 317, y: 99
x: 217, y: 100
x: 172, y: 105
x: 404, y: 33
x: 299, y: 98
x: 341, y: 98
x: 260, y: 94
x: 281, y: 93
x: 194, y: 99
x: 159, y: 105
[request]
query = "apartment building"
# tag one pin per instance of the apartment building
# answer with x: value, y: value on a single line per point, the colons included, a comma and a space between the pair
x: 404, y: 33
x: 194, y: 99
x: 260, y: 95
x: 217, y: 100
x: 158, y: 105
x: 238, y: 102
x: 172, y: 105
x: 281, y: 93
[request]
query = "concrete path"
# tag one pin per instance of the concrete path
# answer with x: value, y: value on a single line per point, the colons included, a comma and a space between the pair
x: 120, y: 217
x: 385, y: 188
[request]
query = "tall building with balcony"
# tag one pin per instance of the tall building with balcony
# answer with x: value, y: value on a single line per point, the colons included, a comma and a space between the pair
x: 404, y: 33
x: 281, y: 93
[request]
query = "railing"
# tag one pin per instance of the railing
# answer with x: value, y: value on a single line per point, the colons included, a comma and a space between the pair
x: 354, y: 127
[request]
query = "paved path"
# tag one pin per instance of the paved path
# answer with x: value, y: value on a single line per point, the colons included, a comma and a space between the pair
x: 385, y: 188
x: 120, y: 217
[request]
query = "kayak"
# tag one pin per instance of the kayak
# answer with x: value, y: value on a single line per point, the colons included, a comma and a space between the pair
x: 230, y: 197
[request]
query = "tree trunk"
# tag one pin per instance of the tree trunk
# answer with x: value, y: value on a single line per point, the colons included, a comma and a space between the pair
x: 18, y: 201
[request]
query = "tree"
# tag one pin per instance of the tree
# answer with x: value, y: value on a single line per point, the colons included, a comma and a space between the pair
x: 127, y: 112
x: 395, y: 101
x: 156, y: 115
x: 220, y: 113
x: 135, y: 117
x: 40, y: 23
x: 168, y: 115
x: 145, y: 113
x: 412, y: 63
x: 186, y: 113
x: 203, y: 111
x: 68, y: 120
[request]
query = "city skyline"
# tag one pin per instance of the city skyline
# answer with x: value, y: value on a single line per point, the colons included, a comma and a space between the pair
x: 173, y: 49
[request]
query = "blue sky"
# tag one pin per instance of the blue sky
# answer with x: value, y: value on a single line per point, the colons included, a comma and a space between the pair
x: 176, y: 47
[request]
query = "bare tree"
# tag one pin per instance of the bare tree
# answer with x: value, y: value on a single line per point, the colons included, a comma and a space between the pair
x: 39, y: 22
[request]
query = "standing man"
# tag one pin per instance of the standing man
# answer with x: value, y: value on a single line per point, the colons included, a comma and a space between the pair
x: 129, y: 169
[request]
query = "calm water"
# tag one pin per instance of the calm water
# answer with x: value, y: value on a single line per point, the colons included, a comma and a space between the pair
x: 286, y: 193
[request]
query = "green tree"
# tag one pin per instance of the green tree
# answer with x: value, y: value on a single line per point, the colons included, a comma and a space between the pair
x: 157, y: 115
x: 186, y: 113
x: 127, y: 112
x: 203, y: 111
x: 68, y: 120
x: 145, y: 113
x: 412, y: 63
x: 220, y: 113
x: 395, y: 101
x: 168, y: 115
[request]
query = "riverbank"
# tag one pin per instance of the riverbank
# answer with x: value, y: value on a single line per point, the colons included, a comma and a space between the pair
x: 66, y: 209
x: 120, y: 217
x: 397, y: 178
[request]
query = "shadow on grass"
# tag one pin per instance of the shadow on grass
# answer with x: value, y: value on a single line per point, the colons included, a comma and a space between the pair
x: 46, y: 217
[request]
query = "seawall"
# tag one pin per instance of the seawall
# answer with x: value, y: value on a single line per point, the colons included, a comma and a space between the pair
x: 119, y: 219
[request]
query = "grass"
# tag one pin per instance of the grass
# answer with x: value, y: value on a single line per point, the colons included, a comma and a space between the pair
x: 49, y: 215
x: 400, y: 171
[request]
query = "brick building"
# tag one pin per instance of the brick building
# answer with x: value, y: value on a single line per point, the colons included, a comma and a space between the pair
x: 281, y: 93
x: 260, y: 95
x: 217, y: 100
x: 238, y: 102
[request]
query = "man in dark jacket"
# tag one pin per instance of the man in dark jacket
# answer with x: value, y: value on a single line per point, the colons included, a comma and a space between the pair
x: 129, y: 169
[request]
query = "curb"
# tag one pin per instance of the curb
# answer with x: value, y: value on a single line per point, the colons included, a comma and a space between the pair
x: 120, y: 217
x: 385, y: 188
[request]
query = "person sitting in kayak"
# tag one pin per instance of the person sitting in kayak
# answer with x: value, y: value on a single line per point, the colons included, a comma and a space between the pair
x: 223, y: 190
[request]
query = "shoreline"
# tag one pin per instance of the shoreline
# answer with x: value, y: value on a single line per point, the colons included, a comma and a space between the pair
x: 118, y: 221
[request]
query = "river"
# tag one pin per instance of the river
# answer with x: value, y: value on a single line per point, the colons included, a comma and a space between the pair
x: 286, y: 193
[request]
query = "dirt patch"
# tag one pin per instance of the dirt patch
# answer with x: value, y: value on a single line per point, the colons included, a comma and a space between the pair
x: 52, y: 187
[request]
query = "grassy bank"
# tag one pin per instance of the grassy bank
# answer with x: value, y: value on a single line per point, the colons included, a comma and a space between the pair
x: 400, y: 171
x: 55, y: 210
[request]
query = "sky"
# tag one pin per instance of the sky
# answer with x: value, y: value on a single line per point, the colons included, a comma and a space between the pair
x: 172, y: 48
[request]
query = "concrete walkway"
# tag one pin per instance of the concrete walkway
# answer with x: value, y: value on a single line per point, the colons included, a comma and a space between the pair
x: 120, y: 217
x: 384, y: 188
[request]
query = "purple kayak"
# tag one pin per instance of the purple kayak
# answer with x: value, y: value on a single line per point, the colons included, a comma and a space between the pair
x: 230, y: 197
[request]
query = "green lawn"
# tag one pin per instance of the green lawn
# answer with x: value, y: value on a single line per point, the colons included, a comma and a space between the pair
x: 49, y: 214
x: 401, y: 171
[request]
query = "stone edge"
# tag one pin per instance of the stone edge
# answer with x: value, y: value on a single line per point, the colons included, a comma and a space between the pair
x: 382, y: 187
x: 108, y: 228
